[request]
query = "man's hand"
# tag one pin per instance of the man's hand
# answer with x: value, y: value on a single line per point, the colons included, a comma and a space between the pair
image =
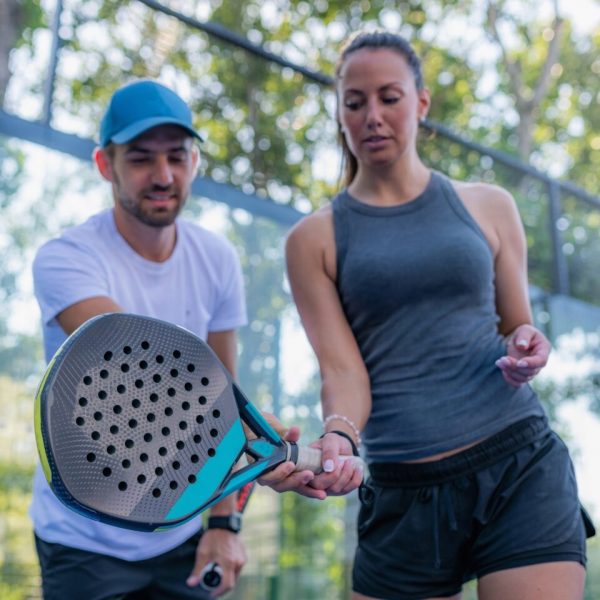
x: 224, y: 548
x: 527, y: 352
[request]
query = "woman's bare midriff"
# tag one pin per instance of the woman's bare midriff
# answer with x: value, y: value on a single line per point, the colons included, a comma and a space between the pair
x: 446, y: 454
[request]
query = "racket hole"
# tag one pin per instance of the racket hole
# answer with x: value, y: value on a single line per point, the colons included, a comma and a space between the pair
x: 180, y: 445
x: 197, y: 439
x: 153, y: 397
x: 144, y: 457
x: 145, y: 345
x: 111, y: 449
x: 139, y: 384
x: 173, y: 485
x: 191, y: 368
x: 165, y: 431
x: 158, y: 471
x: 124, y: 367
x: 185, y: 405
x: 121, y: 388
x: 141, y: 479
x: 122, y: 486
x: 199, y: 419
x: 160, y: 359
x: 82, y: 401
x: 156, y: 378
x: 188, y: 387
x: 114, y: 429
x: 176, y: 465
x: 194, y: 458
x: 148, y: 437
x: 151, y: 417
x: 168, y: 411
x: 102, y: 395
x: 214, y: 433
x: 182, y: 425
x: 132, y: 423
x: 104, y: 374
x: 80, y: 421
x: 129, y: 443
x: 216, y: 413
x: 127, y: 350
x: 143, y: 364
x: 108, y: 355
x: 87, y: 380
x: 211, y: 452
x: 117, y: 409
x: 204, y: 381
x: 91, y: 457
x: 95, y: 435
x: 192, y: 479
x: 162, y: 451
x: 174, y: 372
x: 135, y: 403
x: 98, y: 416
x: 171, y: 392
x: 156, y: 493
x: 126, y: 463
x: 202, y: 400
x: 106, y: 472
x: 176, y: 354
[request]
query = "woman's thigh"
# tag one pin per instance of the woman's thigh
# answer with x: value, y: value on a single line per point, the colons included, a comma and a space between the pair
x: 547, y: 581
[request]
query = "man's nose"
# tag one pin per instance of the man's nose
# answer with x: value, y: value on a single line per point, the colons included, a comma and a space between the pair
x: 162, y: 174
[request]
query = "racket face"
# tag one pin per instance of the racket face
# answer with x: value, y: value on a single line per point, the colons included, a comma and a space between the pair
x: 139, y: 422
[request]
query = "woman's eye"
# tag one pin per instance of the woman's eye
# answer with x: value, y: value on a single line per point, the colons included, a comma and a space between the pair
x: 391, y: 99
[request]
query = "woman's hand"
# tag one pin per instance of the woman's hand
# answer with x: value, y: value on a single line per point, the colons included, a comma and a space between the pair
x: 527, y: 352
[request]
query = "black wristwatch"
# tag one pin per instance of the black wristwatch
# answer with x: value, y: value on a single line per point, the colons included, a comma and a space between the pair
x: 232, y: 522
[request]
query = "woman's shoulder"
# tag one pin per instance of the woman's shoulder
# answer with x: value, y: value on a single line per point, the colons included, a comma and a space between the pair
x: 313, y: 224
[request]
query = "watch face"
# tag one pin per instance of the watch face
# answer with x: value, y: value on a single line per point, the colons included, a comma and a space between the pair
x: 231, y: 522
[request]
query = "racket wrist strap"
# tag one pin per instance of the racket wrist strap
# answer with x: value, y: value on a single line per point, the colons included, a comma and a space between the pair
x: 343, y: 434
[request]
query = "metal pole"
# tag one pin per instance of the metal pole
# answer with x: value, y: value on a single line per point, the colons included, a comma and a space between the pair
x: 560, y: 267
x: 51, y: 77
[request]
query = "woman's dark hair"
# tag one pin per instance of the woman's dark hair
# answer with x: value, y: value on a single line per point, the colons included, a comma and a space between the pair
x: 373, y: 40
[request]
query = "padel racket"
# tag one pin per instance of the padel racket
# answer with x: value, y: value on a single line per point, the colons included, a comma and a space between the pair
x: 138, y: 424
x: 212, y: 574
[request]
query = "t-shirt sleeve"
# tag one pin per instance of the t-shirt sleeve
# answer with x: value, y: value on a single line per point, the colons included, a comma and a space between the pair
x: 65, y: 273
x: 230, y: 310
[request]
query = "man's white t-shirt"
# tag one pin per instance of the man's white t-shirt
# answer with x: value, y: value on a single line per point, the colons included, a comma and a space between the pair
x: 200, y: 287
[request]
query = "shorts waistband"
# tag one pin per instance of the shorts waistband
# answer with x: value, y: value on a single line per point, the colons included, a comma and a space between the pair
x: 477, y: 457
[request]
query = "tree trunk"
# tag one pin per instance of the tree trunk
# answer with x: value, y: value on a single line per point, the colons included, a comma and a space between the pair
x: 11, y: 18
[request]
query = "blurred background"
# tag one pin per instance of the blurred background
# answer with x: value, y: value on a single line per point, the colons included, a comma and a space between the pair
x: 516, y: 101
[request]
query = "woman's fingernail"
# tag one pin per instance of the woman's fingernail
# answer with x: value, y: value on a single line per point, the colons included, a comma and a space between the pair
x: 328, y: 466
x: 521, y: 363
x: 522, y: 343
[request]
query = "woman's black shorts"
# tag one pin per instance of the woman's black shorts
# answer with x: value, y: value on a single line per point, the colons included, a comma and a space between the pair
x: 426, y: 528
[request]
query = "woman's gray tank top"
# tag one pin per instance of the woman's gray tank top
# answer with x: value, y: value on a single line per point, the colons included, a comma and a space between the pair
x: 416, y: 282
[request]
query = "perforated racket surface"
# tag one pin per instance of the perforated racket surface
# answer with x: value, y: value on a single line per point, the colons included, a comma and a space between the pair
x: 138, y: 424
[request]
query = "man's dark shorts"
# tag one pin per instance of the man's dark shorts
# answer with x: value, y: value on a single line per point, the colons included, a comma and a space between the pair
x: 72, y: 574
x: 426, y: 528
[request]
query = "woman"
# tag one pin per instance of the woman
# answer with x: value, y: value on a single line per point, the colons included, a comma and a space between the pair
x: 412, y: 289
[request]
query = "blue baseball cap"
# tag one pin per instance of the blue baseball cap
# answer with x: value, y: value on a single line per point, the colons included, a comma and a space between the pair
x: 142, y: 105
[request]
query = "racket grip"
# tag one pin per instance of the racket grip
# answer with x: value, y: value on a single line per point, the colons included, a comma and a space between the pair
x: 310, y: 459
x: 211, y: 576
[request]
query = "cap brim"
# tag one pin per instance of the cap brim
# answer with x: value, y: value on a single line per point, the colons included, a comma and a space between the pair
x: 136, y: 129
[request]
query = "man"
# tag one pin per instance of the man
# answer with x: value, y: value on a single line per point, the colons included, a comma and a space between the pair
x: 139, y: 257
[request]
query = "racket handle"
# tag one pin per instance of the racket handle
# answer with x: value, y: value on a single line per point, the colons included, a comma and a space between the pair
x: 310, y: 459
x: 211, y: 576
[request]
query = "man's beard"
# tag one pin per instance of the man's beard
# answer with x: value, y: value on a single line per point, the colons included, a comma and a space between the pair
x: 157, y: 218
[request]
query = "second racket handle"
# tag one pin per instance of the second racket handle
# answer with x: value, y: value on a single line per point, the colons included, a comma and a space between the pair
x: 310, y: 459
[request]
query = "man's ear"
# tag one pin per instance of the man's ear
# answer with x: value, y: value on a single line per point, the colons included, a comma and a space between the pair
x: 104, y: 163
